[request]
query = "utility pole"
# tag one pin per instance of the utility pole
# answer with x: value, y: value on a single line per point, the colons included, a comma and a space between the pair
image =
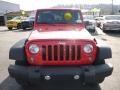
x: 112, y: 8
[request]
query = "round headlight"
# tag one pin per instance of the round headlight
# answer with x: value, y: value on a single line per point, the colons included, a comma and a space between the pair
x: 88, y: 48
x: 33, y: 48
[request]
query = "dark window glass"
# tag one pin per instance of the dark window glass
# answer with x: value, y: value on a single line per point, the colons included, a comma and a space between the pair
x: 57, y: 17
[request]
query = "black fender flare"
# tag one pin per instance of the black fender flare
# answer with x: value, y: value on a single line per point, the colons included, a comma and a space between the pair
x: 17, y: 51
x: 104, y: 50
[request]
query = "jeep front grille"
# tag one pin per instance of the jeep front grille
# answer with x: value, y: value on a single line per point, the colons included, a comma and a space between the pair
x: 61, y: 52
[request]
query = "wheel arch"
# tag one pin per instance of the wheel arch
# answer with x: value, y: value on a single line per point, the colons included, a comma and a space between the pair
x: 104, y: 50
x: 17, y: 51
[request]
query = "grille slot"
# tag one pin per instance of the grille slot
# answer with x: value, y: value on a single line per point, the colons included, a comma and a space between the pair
x: 61, y: 52
x: 44, y: 53
x: 78, y: 52
x: 50, y: 52
x: 73, y: 52
x: 67, y: 52
x: 55, y: 53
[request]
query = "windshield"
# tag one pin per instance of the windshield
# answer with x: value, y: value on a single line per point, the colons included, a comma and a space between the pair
x: 112, y: 17
x: 19, y: 18
x: 16, y: 18
x: 57, y: 17
x: 31, y: 18
x: 88, y: 17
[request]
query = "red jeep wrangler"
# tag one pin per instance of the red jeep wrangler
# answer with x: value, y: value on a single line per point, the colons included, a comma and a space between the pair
x: 59, y: 49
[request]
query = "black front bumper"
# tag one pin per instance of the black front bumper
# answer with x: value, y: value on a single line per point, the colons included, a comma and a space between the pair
x: 87, y: 74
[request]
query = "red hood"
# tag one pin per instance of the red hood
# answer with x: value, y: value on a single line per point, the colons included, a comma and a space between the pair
x: 58, y: 27
x: 67, y: 34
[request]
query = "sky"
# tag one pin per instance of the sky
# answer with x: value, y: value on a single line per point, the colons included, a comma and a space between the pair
x: 37, y: 4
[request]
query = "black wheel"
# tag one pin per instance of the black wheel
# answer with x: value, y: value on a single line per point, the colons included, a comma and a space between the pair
x: 104, y: 30
x: 10, y: 28
x: 98, y: 62
x: 24, y: 28
x: 22, y: 63
x: 18, y: 26
x: 100, y: 80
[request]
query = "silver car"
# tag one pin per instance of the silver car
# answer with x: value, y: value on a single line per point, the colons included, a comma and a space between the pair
x: 111, y: 22
x: 90, y: 21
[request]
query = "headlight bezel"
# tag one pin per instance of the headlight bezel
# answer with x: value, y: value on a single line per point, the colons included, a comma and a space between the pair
x: 88, y: 46
x: 34, y: 48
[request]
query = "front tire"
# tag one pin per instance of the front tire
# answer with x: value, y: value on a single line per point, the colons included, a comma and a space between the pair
x: 18, y: 26
x: 104, y: 30
x: 100, y: 80
x: 24, y: 28
x: 10, y: 28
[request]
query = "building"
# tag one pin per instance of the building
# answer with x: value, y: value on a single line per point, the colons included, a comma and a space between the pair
x: 19, y: 13
x: 7, y: 7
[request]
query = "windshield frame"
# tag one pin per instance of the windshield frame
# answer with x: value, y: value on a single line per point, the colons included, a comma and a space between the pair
x: 38, y: 11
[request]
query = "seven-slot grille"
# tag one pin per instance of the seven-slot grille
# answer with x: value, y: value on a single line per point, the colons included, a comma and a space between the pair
x: 61, y: 52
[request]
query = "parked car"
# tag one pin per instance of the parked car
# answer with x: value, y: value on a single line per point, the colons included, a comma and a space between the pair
x: 89, y: 22
x: 98, y: 22
x: 15, y: 22
x: 111, y: 22
x: 28, y: 23
x: 60, y: 49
